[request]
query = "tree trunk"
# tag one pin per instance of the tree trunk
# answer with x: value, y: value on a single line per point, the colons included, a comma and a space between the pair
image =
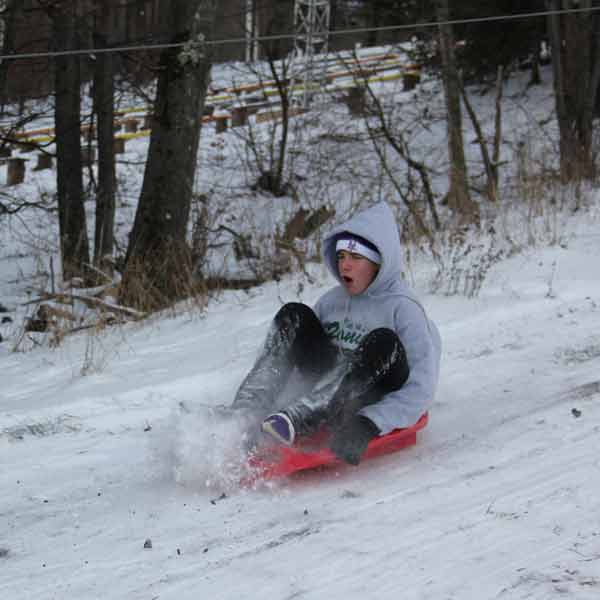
x: 459, y: 198
x: 158, y: 267
x: 71, y: 211
x: 104, y: 106
x: 273, y: 179
x: 490, y: 163
x: 373, y: 21
x: 333, y: 14
x: 536, y: 77
x: 9, y: 11
x: 576, y: 69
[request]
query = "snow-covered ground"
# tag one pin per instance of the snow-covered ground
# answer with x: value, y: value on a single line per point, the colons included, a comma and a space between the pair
x: 108, y: 444
x: 499, y: 498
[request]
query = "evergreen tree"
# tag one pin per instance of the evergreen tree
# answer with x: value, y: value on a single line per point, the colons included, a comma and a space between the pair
x: 488, y: 45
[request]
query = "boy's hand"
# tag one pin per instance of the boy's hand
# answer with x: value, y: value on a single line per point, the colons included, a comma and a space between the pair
x: 341, y: 409
x: 350, y: 441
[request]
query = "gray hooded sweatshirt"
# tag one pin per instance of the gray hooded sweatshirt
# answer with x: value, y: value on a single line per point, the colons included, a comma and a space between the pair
x: 387, y: 302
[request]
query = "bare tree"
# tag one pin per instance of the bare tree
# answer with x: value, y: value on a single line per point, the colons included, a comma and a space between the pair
x: 575, y: 43
x: 459, y: 198
x: 158, y: 257
x: 385, y: 133
x: 104, y: 89
x: 268, y: 145
x: 490, y: 163
x: 278, y: 186
x: 8, y: 10
x: 74, y: 243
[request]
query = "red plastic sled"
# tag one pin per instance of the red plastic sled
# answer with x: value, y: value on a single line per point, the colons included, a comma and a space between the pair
x: 312, y: 452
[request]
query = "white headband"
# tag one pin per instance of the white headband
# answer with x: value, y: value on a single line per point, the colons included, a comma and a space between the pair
x: 355, y: 247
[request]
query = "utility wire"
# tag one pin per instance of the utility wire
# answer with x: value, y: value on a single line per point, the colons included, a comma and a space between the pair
x: 288, y: 36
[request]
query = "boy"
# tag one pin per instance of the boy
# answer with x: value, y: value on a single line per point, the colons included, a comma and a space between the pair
x: 368, y: 355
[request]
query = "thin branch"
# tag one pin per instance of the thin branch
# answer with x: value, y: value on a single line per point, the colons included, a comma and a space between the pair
x: 485, y: 155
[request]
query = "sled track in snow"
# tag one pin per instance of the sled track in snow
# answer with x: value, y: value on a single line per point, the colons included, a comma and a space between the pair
x: 509, y: 486
x: 44, y: 428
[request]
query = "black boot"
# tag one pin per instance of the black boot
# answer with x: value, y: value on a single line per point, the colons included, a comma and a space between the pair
x: 296, y: 339
x: 311, y: 410
x: 378, y: 366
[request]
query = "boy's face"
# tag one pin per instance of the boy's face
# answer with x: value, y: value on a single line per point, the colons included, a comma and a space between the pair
x: 356, y: 271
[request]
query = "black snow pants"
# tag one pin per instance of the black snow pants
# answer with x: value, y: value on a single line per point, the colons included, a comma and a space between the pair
x: 338, y: 382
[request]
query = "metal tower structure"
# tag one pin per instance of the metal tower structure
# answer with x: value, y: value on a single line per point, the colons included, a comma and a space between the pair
x: 311, y: 27
x: 251, y: 27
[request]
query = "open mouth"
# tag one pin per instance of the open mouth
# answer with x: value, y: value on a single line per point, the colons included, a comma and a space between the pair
x: 347, y: 279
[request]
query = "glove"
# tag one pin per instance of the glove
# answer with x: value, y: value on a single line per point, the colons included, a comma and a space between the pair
x: 342, y: 407
x: 350, y: 441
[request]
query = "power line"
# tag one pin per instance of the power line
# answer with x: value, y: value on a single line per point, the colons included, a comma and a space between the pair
x: 290, y: 36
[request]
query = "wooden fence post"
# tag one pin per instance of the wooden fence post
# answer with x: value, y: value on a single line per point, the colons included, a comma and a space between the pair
x: 88, y: 156
x: 220, y: 124
x: 410, y: 79
x: 15, y: 171
x: 148, y: 121
x: 239, y: 116
x: 119, y: 146
x: 44, y: 161
x: 131, y: 125
x: 355, y: 100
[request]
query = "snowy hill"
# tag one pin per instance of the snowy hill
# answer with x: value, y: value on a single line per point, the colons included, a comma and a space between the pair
x: 118, y: 483
x: 497, y: 500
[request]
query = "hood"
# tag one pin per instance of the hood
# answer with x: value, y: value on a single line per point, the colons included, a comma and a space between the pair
x: 378, y: 225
